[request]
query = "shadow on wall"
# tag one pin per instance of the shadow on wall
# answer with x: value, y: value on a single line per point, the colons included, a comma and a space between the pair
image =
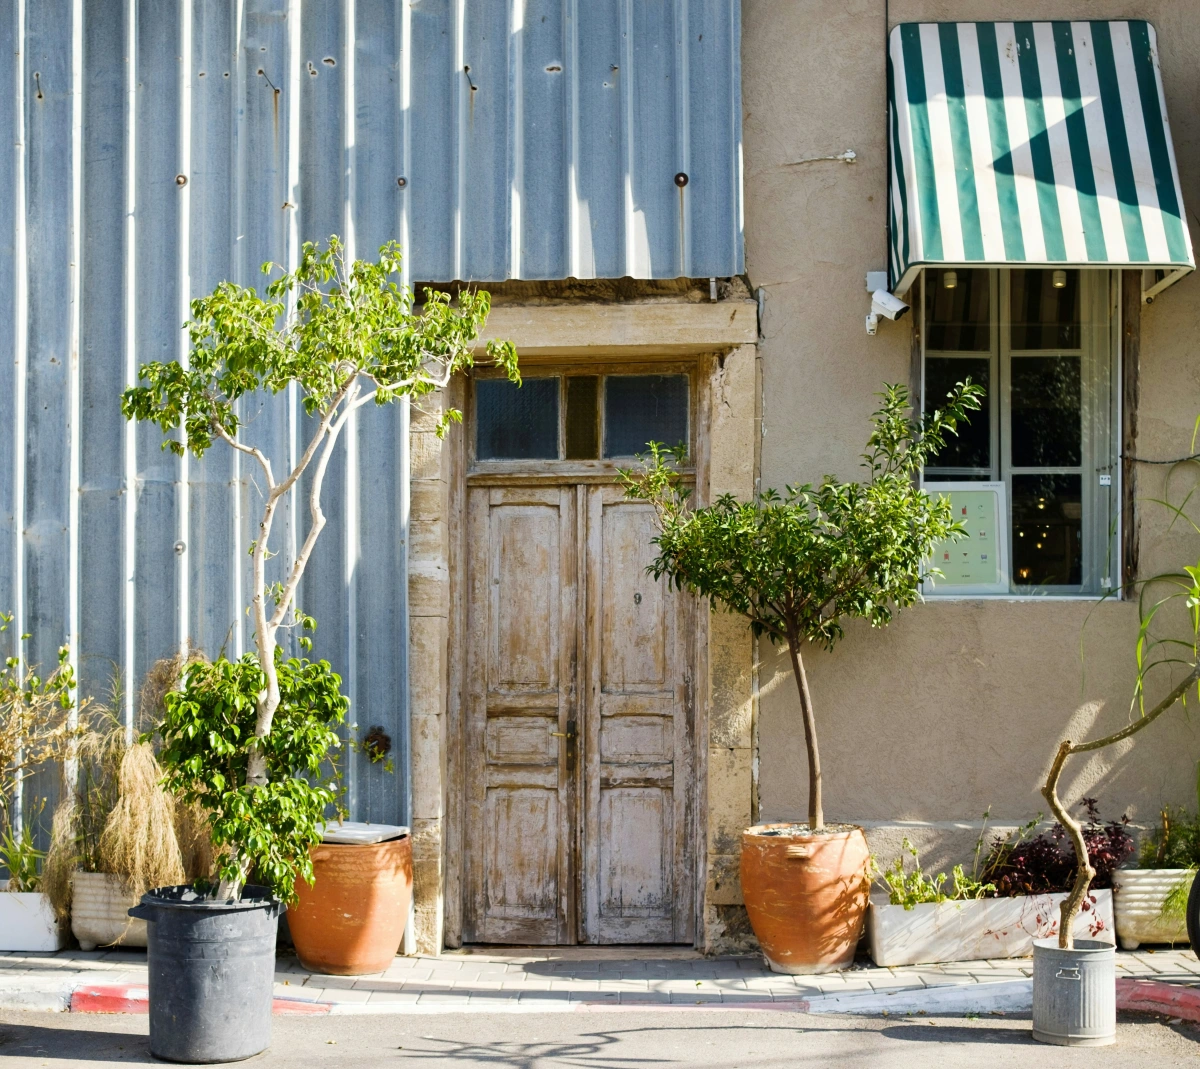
x: 957, y: 707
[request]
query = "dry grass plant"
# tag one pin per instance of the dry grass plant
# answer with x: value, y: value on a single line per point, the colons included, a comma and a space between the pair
x: 116, y: 817
x: 139, y: 842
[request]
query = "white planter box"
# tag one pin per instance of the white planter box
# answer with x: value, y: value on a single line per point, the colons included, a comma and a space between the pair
x: 1138, y: 896
x: 100, y: 913
x: 973, y: 930
x: 27, y: 922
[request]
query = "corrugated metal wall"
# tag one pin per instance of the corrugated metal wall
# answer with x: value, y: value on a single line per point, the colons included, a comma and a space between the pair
x: 155, y: 148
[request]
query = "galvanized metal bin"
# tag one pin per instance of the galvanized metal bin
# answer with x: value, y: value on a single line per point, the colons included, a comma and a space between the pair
x: 1074, y: 993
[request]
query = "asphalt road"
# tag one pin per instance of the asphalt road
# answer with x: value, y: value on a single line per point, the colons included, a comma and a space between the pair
x: 614, y: 1040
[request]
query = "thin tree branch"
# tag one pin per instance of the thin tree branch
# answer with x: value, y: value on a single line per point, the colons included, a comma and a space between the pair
x: 250, y: 451
x: 1144, y: 721
x: 316, y: 513
x: 318, y: 434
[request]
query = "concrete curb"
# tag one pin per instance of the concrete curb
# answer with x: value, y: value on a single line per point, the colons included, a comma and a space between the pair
x: 1153, y: 996
x: 1005, y: 996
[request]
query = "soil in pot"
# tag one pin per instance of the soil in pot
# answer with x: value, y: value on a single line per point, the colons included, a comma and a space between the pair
x: 351, y: 919
x: 806, y: 894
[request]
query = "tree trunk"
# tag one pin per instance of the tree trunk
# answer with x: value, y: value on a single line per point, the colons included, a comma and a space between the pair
x: 816, y: 811
x: 1084, y: 872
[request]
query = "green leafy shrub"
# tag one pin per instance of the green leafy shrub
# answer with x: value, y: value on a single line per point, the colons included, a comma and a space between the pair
x: 23, y: 861
x: 909, y: 888
x: 1174, y: 843
x: 208, y: 735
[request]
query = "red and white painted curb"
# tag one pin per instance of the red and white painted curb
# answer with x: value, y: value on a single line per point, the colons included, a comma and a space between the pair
x: 1009, y: 996
x: 1154, y: 996
x: 135, y: 998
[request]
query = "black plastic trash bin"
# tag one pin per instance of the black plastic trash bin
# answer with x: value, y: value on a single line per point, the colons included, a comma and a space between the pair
x: 212, y: 972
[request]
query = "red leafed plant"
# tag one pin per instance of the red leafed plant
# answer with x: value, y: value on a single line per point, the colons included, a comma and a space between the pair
x: 1046, y: 863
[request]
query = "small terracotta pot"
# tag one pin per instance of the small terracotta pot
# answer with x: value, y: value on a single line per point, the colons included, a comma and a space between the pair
x: 806, y: 894
x: 351, y: 919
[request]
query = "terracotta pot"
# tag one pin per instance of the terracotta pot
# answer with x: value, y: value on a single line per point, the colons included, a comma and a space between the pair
x: 351, y: 919
x: 806, y: 894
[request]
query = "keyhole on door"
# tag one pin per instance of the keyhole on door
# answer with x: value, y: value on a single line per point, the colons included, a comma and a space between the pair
x: 637, y: 599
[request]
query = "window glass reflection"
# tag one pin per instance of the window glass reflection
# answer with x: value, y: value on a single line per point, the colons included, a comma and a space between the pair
x: 972, y: 447
x: 1047, y: 413
x: 1044, y: 309
x: 516, y: 422
x: 958, y: 310
x: 1047, y: 530
x: 639, y: 409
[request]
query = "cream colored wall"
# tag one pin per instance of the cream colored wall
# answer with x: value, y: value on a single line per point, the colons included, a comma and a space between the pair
x: 957, y: 706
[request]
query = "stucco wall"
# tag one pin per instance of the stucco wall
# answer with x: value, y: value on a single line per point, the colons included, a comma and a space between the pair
x: 957, y: 706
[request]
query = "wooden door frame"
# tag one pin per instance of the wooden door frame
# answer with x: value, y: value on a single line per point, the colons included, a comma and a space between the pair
x: 703, y: 369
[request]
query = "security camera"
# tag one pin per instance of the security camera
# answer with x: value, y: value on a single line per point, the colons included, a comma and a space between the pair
x: 887, y: 305
x: 884, y: 304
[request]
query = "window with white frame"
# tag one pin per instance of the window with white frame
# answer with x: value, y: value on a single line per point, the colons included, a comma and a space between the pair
x: 1042, y: 343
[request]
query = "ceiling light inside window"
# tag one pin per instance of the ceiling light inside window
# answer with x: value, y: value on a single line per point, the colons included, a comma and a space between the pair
x: 1059, y: 279
x: 950, y: 280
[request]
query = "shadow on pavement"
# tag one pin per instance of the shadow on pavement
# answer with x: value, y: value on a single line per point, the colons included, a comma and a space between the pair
x: 922, y: 1032
x: 615, y: 1048
x: 72, y: 1044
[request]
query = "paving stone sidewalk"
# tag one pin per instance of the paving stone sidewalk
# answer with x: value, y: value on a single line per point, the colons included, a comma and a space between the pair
x: 552, y: 979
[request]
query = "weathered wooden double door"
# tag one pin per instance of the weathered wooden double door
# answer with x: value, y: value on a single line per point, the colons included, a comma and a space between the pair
x: 578, y: 723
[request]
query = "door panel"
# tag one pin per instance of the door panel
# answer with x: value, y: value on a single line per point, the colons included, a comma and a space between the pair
x: 635, y: 626
x: 520, y: 692
x: 637, y: 722
x: 566, y: 629
x: 524, y: 546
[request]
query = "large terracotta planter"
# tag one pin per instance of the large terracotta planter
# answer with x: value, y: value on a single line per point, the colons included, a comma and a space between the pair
x: 351, y: 919
x: 806, y: 894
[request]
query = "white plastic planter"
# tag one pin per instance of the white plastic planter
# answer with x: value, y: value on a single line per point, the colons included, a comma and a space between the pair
x: 27, y: 922
x: 973, y: 930
x: 1138, y: 897
x: 100, y: 913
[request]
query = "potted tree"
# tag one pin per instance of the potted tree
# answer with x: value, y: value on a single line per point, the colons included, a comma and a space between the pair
x: 1074, y: 981
x: 797, y: 565
x: 247, y: 740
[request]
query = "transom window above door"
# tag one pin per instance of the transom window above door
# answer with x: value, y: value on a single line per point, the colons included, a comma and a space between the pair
x: 1041, y: 341
x: 579, y: 417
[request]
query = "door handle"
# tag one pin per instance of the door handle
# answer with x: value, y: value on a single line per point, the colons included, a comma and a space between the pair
x: 569, y: 735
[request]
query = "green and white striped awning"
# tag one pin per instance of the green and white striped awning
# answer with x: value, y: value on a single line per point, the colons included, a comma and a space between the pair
x: 1039, y: 143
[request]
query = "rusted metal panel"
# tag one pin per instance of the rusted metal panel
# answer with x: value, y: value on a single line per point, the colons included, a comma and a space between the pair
x: 156, y: 147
